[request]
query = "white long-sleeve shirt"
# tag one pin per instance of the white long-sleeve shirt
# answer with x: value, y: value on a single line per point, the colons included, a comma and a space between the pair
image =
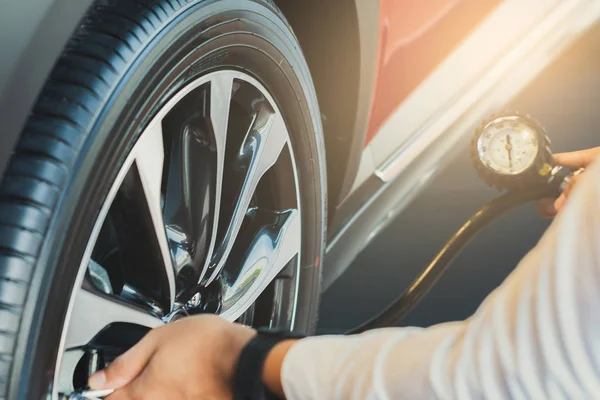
x: 537, y: 336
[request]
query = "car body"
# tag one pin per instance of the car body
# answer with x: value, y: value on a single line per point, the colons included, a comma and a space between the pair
x: 400, y: 84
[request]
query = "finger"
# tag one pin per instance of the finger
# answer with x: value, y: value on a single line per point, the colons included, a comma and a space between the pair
x: 123, y: 394
x: 127, y: 393
x: 130, y: 393
x: 560, y: 202
x: 571, y: 185
x: 577, y: 159
x: 144, y: 387
x: 545, y: 208
x: 127, y: 367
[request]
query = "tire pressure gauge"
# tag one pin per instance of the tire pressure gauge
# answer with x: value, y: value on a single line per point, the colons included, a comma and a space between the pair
x: 511, y: 151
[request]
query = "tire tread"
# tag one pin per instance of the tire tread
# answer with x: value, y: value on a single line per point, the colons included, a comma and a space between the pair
x: 108, y: 39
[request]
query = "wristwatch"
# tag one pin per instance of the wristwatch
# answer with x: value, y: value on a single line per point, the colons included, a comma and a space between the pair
x: 248, y: 383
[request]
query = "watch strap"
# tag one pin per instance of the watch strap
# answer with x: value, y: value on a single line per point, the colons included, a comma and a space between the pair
x: 248, y: 383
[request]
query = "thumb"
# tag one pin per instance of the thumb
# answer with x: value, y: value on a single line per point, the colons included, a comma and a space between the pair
x: 577, y: 159
x: 126, y: 367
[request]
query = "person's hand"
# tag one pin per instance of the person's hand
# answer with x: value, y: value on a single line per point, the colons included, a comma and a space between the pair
x: 192, y: 359
x: 575, y: 160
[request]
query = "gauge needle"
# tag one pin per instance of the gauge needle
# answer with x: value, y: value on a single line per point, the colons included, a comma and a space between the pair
x: 509, y: 148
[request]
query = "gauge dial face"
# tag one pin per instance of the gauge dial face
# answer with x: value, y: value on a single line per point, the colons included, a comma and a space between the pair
x: 508, y: 146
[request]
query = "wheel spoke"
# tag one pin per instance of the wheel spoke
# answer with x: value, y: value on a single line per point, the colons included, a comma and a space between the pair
x: 189, y: 210
x: 219, y: 105
x: 94, y: 311
x: 287, y: 243
x: 68, y: 365
x: 261, y: 148
x: 271, y: 250
x: 149, y: 158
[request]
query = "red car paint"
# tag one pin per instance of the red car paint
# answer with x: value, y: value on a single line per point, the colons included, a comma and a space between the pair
x: 415, y: 36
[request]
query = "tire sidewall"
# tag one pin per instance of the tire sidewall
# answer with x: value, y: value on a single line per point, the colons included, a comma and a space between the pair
x: 263, y: 47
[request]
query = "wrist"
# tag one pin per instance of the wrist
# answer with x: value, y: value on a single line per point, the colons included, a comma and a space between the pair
x: 271, y: 373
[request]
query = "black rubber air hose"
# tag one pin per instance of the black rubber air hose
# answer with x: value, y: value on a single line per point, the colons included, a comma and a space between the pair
x: 440, y: 263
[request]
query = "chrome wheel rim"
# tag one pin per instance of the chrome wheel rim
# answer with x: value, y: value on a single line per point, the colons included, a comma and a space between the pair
x: 209, y: 199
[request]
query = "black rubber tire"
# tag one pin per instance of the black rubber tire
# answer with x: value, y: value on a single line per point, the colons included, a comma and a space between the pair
x: 126, y: 58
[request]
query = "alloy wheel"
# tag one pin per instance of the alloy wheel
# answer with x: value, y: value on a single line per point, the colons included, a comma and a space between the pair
x: 203, y: 216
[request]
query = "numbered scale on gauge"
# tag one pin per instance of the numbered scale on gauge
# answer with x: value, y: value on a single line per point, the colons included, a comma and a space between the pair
x: 511, y: 150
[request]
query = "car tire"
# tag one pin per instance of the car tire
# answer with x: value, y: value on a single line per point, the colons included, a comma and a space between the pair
x: 126, y: 59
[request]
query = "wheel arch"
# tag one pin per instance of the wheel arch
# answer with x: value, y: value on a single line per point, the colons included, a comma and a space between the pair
x: 32, y: 37
x: 339, y: 39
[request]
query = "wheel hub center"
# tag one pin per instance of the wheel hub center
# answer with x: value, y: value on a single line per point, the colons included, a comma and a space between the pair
x: 176, y: 316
